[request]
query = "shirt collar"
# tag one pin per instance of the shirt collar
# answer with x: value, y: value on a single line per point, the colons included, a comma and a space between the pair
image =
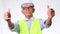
x: 29, y: 19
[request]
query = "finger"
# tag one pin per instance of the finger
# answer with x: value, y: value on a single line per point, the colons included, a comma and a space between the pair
x: 8, y: 11
x: 48, y: 6
x: 49, y: 9
x: 7, y: 18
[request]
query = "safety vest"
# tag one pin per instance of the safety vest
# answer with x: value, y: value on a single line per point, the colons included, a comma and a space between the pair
x: 34, y: 29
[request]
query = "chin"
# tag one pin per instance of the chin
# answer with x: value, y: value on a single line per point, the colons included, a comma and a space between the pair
x: 28, y: 15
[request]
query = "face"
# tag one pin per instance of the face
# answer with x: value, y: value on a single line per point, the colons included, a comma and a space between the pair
x: 28, y: 11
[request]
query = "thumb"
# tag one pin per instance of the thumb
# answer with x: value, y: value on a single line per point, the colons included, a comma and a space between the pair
x: 8, y: 11
x: 48, y: 7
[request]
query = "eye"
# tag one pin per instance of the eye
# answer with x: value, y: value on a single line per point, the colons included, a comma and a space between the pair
x: 23, y: 8
x: 30, y: 7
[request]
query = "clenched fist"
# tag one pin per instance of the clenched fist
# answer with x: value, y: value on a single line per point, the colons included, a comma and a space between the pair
x: 50, y: 12
x: 7, y: 15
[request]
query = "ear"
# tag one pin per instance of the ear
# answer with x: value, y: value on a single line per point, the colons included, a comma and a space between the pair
x: 22, y: 11
x: 33, y: 10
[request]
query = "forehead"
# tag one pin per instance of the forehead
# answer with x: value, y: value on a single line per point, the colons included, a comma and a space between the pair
x: 27, y: 5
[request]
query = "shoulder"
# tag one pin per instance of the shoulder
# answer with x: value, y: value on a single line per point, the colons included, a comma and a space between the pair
x: 40, y: 19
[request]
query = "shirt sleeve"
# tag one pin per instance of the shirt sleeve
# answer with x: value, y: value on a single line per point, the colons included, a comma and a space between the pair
x: 16, y: 27
x: 42, y: 24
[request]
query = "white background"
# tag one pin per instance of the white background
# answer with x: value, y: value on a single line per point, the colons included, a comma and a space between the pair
x: 40, y: 12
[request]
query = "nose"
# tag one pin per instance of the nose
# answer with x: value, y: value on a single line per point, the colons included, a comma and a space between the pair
x: 27, y: 9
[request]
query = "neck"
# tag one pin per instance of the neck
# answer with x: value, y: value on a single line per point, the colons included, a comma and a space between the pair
x: 29, y: 16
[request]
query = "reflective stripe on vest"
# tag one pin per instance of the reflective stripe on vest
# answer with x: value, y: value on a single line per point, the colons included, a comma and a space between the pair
x: 34, y: 29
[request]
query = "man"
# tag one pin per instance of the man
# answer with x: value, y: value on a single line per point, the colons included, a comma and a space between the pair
x: 29, y: 25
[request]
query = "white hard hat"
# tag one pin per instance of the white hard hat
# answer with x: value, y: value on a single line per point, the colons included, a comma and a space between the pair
x: 26, y: 3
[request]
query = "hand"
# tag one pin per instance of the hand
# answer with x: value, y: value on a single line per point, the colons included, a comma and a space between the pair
x: 50, y: 12
x: 7, y: 15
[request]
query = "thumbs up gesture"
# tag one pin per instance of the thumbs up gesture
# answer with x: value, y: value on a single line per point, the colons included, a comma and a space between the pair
x: 50, y: 12
x: 7, y: 15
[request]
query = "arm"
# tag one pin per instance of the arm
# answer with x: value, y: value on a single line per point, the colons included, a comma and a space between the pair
x: 48, y: 22
x: 7, y: 18
x: 10, y: 24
